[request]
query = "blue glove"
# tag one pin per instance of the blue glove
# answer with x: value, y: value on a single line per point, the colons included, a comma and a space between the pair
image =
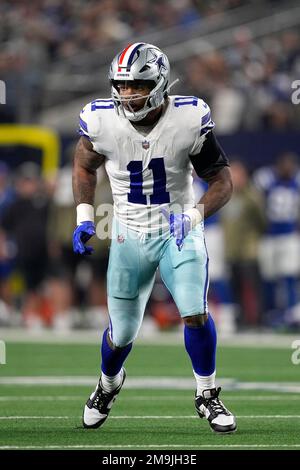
x: 81, y: 235
x: 180, y: 225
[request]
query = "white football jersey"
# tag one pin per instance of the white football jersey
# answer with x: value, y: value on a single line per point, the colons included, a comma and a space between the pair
x: 148, y: 172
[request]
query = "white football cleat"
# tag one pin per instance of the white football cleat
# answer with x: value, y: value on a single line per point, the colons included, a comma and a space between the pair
x: 210, y: 407
x: 99, y: 404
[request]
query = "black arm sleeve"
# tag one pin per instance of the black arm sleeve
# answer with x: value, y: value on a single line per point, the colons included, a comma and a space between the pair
x: 210, y: 159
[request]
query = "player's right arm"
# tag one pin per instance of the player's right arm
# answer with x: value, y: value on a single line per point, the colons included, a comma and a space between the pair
x: 85, y: 165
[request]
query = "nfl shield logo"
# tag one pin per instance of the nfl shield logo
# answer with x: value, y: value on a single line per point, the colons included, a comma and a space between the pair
x: 120, y: 238
x: 145, y: 144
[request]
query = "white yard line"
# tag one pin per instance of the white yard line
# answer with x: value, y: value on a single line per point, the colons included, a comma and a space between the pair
x: 33, y: 417
x: 7, y: 398
x: 41, y: 398
x: 154, y: 417
x: 153, y: 446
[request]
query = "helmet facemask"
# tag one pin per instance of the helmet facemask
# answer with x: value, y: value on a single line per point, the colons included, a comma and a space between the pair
x: 123, y: 103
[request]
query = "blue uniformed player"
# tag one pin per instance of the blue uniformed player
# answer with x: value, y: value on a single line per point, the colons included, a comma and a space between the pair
x: 220, y: 291
x: 149, y: 142
x: 280, y: 247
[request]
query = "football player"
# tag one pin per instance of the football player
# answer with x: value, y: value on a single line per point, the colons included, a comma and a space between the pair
x: 149, y: 142
x: 279, y: 255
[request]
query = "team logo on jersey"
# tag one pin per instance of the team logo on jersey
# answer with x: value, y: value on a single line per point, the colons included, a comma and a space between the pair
x: 145, y: 144
x: 120, y: 238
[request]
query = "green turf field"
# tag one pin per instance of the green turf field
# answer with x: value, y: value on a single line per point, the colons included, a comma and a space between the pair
x: 146, y: 416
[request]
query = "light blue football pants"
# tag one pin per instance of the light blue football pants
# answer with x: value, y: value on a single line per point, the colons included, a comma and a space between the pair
x: 133, y: 261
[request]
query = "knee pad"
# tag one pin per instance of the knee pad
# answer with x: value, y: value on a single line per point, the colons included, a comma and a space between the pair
x: 124, y: 329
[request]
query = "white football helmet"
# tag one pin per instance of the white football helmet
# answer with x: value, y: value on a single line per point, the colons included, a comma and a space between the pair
x: 140, y: 61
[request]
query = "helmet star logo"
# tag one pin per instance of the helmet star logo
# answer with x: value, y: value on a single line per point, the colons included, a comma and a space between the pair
x: 161, y: 64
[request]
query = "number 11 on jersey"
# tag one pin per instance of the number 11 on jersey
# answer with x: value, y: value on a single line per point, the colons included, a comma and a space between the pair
x: 159, y: 195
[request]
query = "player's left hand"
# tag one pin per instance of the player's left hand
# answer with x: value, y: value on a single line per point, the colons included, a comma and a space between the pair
x: 180, y: 226
x: 81, y: 235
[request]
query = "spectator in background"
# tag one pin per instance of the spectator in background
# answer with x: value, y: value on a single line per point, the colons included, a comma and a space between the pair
x: 62, y: 262
x: 6, y: 248
x: 73, y: 281
x: 44, y: 44
x: 243, y: 224
x: 209, y: 77
x: 227, y: 100
x: 6, y: 190
x: 219, y: 287
x: 280, y: 248
x: 25, y: 222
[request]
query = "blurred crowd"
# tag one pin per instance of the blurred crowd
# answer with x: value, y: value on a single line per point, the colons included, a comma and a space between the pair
x: 42, y: 282
x: 248, y: 83
x: 62, y: 28
x: 253, y: 245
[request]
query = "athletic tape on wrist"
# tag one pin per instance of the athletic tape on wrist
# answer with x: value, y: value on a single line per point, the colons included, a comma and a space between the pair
x: 194, y: 215
x: 85, y: 212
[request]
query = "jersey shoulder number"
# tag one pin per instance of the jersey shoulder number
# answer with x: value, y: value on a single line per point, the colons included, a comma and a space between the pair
x: 194, y: 113
x: 90, y: 117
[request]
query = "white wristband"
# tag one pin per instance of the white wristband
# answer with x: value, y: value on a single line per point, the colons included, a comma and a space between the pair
x: 194, y: 215
x: 85, y: 212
